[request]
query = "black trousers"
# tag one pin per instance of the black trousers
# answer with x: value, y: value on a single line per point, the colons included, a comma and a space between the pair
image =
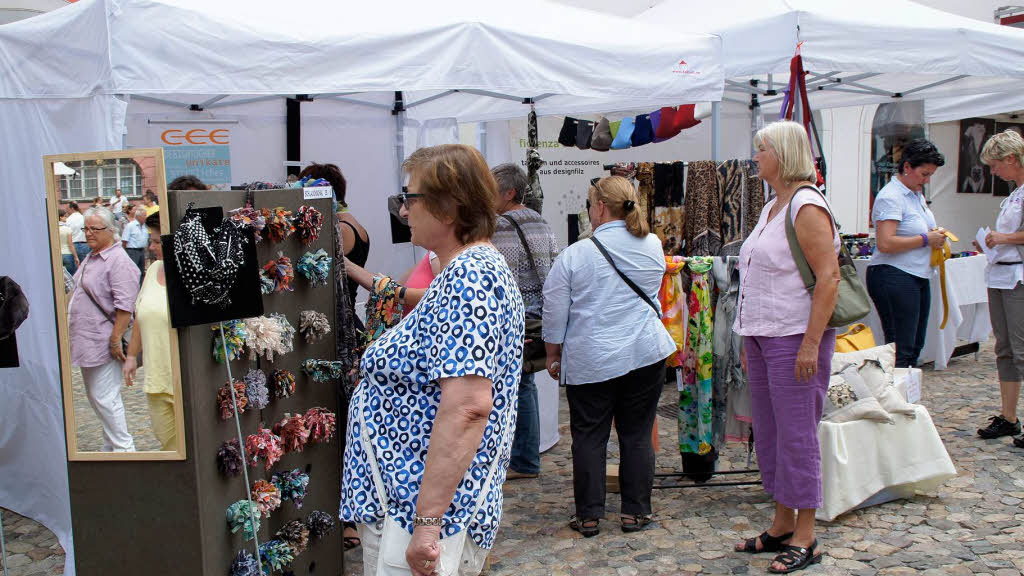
x: 632, y: 399
x: 904, y: 302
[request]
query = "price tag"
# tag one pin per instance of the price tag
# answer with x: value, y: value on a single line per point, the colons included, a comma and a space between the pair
x: 317, y: 193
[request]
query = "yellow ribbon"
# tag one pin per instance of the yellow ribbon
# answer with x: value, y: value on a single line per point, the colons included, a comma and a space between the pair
x: 939, y: 257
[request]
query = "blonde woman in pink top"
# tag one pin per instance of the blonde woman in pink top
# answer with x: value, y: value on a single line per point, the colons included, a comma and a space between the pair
x: 787, y: 344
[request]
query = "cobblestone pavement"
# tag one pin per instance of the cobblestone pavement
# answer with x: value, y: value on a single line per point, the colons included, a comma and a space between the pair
x: 88, y: 428
x: 971, y: 525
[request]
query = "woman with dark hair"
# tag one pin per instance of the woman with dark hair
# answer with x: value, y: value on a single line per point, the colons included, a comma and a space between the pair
x: 355, y: 238
x: 906, y: 234
x: 431, y: 421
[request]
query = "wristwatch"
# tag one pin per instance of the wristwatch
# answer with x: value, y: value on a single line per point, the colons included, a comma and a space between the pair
x: 427, y: 521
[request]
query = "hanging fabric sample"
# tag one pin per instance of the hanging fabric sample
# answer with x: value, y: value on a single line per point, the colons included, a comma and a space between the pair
x: 645, y: 189
x: 731, y: 396
x: 584, y: 132
x: 753, y: 199
x: 675, y: 193
x: 534, y: 195
x: 695, y: 394
x: 346, y: 341
x: 602, y: 138
x: 731, y: 189
x: 703, y: 210
x: 643, y: 133
x: 668, y: 226
x: 662, y: 183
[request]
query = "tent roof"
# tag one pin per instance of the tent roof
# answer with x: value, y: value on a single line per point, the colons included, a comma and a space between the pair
x: 959, y: 107
x: 532, y: 48
x: 877, y: 47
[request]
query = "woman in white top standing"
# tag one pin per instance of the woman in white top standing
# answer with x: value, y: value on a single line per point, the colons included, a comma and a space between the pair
x: 1004, y: 153
x: 606, y: 342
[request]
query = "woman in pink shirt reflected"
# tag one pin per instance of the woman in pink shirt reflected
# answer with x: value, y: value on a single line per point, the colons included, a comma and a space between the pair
x: 787, y: 345
x: 106, y: 286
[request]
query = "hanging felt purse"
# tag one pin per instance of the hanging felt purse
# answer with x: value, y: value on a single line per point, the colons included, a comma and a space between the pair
x: 534, y: 351
x: 858, y: 337
x: 853, y: 302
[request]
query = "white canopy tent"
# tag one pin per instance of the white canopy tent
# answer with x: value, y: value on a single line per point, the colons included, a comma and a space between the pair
x: 70, y: 75
x: 959, y: 107
x: 864, y: 53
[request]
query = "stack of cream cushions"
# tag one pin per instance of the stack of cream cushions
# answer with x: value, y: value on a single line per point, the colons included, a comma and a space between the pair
x: 861, y: 387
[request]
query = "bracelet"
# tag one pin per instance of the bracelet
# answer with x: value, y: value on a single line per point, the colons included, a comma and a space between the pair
x: 401, y: 295
x: 924, y: 239
x: 427, y: 521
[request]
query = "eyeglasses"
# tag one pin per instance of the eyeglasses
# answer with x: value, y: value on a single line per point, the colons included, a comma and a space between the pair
x: 95, y: 229
x: 405, y: 198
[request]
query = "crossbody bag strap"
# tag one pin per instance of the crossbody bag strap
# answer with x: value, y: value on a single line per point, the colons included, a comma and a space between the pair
x: 378, y: 480
x: 806, y: 274
x: 526, y: 245
x: 625, y: 278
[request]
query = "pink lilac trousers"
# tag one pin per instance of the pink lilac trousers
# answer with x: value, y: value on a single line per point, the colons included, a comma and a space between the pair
x: 786, y: 413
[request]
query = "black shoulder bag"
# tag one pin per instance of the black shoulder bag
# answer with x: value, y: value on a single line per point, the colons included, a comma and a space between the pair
x: 534, y: 352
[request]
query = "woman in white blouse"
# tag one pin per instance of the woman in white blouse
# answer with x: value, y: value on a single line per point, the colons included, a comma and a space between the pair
x: 606, y: 342
x: 1004, y: 154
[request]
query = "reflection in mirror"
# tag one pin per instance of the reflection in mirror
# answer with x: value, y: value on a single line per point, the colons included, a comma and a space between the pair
x: 119, y: 355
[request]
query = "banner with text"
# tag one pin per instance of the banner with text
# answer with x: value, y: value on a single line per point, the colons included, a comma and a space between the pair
x: 211, y: 163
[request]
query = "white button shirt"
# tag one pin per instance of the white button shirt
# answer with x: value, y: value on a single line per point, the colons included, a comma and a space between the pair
x: 606, y: 330
x: 1006, y: 277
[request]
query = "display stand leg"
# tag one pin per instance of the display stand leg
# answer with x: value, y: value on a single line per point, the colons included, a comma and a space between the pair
x: 241, y: 448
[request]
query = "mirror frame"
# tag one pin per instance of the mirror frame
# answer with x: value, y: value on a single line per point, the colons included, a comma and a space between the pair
x: 60, y: 309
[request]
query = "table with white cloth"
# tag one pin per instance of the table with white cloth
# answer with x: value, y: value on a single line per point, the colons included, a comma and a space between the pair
x: 968, y: 309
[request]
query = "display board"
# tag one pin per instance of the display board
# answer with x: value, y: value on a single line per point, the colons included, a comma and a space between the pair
x: 169, y: 517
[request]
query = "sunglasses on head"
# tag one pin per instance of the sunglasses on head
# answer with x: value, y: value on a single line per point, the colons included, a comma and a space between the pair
x: 594, y: 183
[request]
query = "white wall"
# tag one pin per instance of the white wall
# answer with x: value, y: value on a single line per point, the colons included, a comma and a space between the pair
x: 963, y: 214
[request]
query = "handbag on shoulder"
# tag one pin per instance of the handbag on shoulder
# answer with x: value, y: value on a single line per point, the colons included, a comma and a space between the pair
x: 534, y: 352
x: 852, y: 303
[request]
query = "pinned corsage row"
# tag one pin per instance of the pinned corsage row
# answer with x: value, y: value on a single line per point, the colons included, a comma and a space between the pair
x: 292, y: 485
x: 279, y: 223
x: 235, y: 335
x: 313, y: 325
x: 244, y: 516
x: 277, y: 275
x: 322, y: 370
x: 266, y: 446
x: 307, y: 222
x: 224, y: 401
x: 316, y: 267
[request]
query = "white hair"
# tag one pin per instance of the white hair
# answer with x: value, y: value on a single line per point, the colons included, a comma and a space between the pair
x: 138, y: 210
x: 104, y: 213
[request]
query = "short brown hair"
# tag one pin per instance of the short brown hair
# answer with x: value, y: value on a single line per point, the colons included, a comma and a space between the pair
x: 456, y: 183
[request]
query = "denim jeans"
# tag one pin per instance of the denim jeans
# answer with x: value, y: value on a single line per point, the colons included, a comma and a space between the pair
x: 69, y: 263
x: 83, y: 250
x: 904, y: 302
x: 526, y: 443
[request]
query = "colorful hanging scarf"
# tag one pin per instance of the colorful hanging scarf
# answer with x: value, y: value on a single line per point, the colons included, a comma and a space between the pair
x: 696, y: 392
x: 673, y: 305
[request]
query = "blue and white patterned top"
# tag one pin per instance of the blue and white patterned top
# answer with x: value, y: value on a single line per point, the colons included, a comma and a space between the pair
x: 469, y: 322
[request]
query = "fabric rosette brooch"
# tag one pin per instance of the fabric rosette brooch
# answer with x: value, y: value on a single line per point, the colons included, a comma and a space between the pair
x: 307, y: 222
x: 277, y: 275
x: 316, y: 267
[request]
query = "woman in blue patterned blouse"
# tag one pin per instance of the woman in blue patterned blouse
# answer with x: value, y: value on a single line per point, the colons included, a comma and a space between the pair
x: 431, y: 421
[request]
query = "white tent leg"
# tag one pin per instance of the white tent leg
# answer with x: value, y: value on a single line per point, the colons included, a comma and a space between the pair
x: 716, y: 131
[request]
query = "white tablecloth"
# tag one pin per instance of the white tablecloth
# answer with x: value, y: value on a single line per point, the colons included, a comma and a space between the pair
x: 968, y: 309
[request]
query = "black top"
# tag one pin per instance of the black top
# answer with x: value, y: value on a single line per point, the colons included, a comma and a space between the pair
x: 357, y: 255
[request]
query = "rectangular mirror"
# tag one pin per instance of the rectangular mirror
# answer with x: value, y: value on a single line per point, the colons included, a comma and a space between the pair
x: 104, y: 218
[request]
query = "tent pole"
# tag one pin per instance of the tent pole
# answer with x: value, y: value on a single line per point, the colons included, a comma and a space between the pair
x: 716, y: 131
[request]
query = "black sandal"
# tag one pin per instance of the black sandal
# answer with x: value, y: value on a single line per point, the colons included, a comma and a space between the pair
x: 769, y: 543
x: 351, y: 542
x: 1019, y: 442
x: 795, y: 558
x: 587, y: 527
x: 636, y: 523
